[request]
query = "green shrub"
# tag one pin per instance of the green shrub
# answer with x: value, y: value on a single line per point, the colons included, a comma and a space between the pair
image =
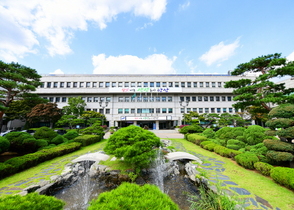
x: 279, y: 156
x: 45, y: 133
x: 270, y: 132
x: 71, y: 134
x: 58, y: 139
x: 132, y: 197
x: 247, y: 160
x: 41, y: 143
x: 196, y: 139
x: 31, y: 201
x: 224, y: 133
x: 191, y: 129
x: 283, y: 176
x: 208, y: 145
x: 95, y: 129
x: 225, y: 152
x: 254, y: 134
x: 278, y: 145
x: 87, y: 139
x: 6, y: 170
x: 4, y: 144
x: 134, y: 144
x: 263, y: 168
x: 235, y: 144
x: 258, y: 149
x: 209, y: 133
x: 17, y: 143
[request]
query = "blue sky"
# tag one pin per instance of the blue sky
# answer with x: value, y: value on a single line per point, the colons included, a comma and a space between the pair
x: 143, y: 36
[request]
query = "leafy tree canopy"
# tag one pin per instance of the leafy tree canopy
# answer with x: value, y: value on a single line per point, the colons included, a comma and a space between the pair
x: 16, y: 81
x: 92, y: 117
x: 192, y: 117
x: 261, y: 92
x: 69, y: 120
x: 76, y: 106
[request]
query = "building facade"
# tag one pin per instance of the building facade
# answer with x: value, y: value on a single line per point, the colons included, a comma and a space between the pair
x: 158, y: 101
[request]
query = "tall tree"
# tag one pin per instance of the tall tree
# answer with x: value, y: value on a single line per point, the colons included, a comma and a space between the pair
x: 261, y: 92
x: 92, y: 117
x: 15, y: 81
x: 48, y: 112
x: 76, y: 106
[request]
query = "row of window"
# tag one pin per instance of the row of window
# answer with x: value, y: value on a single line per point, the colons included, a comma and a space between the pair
x: 130, y: 84
x: 146, y: 99
x: 207, y: 110
x: 145, y: 110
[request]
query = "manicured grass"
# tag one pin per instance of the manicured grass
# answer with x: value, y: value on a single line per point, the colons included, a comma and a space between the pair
x: 250, y: 180
x: 62, y: 161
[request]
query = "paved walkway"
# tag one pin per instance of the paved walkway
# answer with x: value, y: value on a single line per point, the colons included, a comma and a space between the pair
x: 213, y: 165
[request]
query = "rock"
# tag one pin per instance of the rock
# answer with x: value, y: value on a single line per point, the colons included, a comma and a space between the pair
x: 32, y: 188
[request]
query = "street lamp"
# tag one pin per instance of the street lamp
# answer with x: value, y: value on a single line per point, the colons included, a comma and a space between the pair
x: 184, y: 104
x: 103, y: 107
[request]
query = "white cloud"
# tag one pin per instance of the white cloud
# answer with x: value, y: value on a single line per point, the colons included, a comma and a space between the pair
x: 56, y: 21
x: 184, y: 6
x: 220, y: 52
x: 291, y: 57
x: 129, y: 64
x: 57, y: 71
x: 191, y: 65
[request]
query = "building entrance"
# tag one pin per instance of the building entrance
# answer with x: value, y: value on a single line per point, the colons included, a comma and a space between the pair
x: 150, y: 124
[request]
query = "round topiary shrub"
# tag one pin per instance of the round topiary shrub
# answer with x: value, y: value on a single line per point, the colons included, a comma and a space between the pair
x: 278, y: 145
x: 58, y: 140
x: 247, y: 160
x: 18, y: 143
x: 45, y: 133
x: 283, y: 176
x: 263, y: 168
x: 71, y: 134
x: 134, y: 144
x: 254, y: 134
x: 4, y: 144
x: 209, y: 133
x: 235, y: 144
x: 41, y: 143
x: 224, y: 133
x: 133, y: 197
x: 191, y: 129
x: 279, y: 156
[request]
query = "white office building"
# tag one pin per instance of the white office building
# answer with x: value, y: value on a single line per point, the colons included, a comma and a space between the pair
x: 157, y: 101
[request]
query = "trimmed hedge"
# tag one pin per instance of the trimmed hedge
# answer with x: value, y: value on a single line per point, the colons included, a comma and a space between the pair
x: 196, y: 139
x: 31, y: 201
x: 208, y: 145
x: 235, y: 144
x: 279, y: 156
x: 4, y: 144
x: 247, y: 160
x: 225, y: 152
x: 86, y: 140
x: 17, y: 164
x: 263, y: 168
x: 283, y: 176
x: 278, y: 145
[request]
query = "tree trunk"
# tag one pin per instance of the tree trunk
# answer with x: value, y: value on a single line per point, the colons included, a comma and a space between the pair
x: 1, y: 121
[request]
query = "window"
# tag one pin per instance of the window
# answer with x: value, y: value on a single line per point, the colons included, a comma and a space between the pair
x: 100, y: 84
x: 206, y: 84
x: 206, y: 110
x: 170, y: 110
x: 81, y: 84
x: 127, y: 111
x: 89, y: 99
x: 75, y: 84
x: 170, y: 84
x: 182, y: 84
x: 195, y: 84
x: 229, y: 98
x: 107, y: 111
x: 157, y: 84
x: 101, y: 111
x: 139, y: 111
x: 151, y: 99
x: 224, y: 110
x: 95, y: 110
x: 151, y: 84
x: 151, y: 110
x: 145, y: 99
x: 193, y: 98
x: 51, y: 99
x: 120, y: 84
x: 42, y: 85
x: 205, y: 98
x: 219, y: 84
x: 139, y: 99
x: 133, y: 84
x: 88, y: 110
x: 182, y: 110
x: 223, y: 98
x: 188, y: 84
x: 163, y: 110
x: 61, y: 84
x: 96, y: 99
x: 217, y: 98
x: 187, y: 98
x: 127, y: 99
x: 113, y: 84
x: 132, y: 111
x: 200, y: 110
x: 126, y: 84
x: 57, y: 99
x: 55, y: 84
x: 83, y: 98
x: 163, y: 99
x: 188, y: 110
x: 101, y: 98
x: 157, y: 110
x: 201, y: 84
x: 182, y: 98
x: 163, y: 84
x: 213, y: 84
x: 218, y: 110
x: 107, y: 84
x: 120, y: 99
x: 199, y: 98
x: 94, y: 84
x: 176, y: 84
x: 139, y: 84
x: 120, y: 111
x: 108, y: 99
x: 194, y: 109
x: 169, y: 99
x: 68, y: 84
x: 211, y: 98
x: 88, y: 84
x: 212, y: 110
x: 145, y: 84
x: 230, y: 110
x: 157, y: 98
x: 63, y: 99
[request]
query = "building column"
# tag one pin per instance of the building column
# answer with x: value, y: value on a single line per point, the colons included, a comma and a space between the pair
x: 157, y: 125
